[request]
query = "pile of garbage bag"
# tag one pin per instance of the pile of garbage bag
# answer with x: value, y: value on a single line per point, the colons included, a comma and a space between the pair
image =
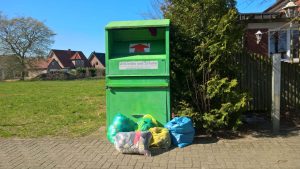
x: 136, y: 138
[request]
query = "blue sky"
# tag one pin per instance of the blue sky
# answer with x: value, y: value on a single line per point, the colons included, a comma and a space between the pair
x: 79, y: 24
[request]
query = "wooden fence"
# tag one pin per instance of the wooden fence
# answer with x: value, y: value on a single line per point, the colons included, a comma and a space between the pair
x: 290, y: 86
x: 256, y: 78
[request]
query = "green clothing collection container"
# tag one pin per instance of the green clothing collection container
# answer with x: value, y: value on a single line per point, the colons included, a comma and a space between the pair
x: 137, y: 69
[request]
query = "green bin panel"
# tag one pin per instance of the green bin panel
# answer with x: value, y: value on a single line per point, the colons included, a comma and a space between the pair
x: 136, y: 102
x: 121, y: 40
x: 138, y: 65
x: 134, y: 81
x: 122, y: 48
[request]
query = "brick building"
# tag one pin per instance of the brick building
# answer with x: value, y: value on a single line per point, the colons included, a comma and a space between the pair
x: 278, y: 34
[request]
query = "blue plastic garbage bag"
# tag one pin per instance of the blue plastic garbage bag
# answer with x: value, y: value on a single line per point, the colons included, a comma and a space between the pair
x: 181, y: 130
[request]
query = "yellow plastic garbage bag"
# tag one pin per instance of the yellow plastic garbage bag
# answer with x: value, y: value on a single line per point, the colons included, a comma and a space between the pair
x: 160, y: 137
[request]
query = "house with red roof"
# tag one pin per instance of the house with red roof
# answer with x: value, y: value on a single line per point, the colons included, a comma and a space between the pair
x: 66, y: 60
x: 11, y: 67
x: 36, y: 66
x: 278, y: 34
x: 97, y: 60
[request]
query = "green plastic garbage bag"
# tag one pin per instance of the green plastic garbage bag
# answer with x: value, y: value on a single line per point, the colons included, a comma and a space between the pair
x: 120, y: 124
x: 146, y: 122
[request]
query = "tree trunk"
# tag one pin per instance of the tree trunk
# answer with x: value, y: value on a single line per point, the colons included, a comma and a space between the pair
x: 2, y: 75
x: 22, y: 75
x: 23, y: 68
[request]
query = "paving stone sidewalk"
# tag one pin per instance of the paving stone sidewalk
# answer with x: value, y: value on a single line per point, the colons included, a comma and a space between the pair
x: 96, y: 152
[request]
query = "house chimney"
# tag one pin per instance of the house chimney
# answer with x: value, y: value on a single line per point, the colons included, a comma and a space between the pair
x: 69, y: 52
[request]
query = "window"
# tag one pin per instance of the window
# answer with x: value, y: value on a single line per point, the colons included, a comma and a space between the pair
x: 295, y: 42
x: 280, y: 42
x: 79, y: 63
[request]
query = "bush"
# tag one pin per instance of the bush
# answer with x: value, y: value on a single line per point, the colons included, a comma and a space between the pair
x: 184, y: 109
x: 92, y: 72
x: 81, y: 72
x: 58, y: 75
x: 226, y: 107
x: 73, y: 72
x: 205, y: 38
x: 227, y: 103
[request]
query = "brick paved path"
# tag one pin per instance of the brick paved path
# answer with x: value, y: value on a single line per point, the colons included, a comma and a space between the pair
x: 95, y: 152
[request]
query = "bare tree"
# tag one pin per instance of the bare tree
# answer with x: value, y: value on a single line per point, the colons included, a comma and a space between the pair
x: 155, y: 10
x: 24, y: 37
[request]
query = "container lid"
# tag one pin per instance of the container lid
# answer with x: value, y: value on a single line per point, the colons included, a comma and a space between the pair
x: 138, y: 24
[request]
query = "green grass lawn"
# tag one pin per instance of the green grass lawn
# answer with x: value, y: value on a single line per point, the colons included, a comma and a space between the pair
x: 51, y: 108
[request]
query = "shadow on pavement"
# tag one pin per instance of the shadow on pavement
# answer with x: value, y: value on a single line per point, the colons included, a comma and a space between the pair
x: 259, y: 125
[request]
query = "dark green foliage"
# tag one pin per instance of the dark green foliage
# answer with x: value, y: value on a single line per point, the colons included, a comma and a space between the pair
x: 226, y: 104
x: 80, y: 72
x: 205, y: 37
x: 92, y: 72
x: 55, y: 76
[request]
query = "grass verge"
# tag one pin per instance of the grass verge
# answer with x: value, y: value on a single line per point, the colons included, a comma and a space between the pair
x: 51, y: 108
